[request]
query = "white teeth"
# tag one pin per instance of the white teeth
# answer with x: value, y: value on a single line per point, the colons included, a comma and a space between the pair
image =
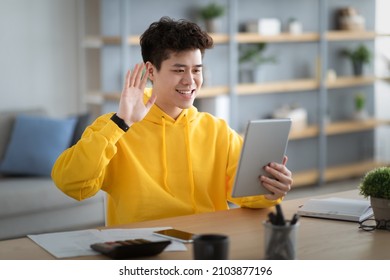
x: 185, y: 91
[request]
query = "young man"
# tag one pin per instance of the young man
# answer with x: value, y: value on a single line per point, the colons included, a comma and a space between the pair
x: 158, y: 156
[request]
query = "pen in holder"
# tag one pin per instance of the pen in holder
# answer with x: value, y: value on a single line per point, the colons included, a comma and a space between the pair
x: 280, y: 236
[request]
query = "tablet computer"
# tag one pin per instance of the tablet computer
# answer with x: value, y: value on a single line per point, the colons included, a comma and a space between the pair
x: 265, y: 141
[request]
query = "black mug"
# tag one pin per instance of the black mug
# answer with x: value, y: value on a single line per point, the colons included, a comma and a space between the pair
x: 211, y: 247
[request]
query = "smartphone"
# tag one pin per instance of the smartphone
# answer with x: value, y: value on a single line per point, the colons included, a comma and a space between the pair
x: 175, y: 234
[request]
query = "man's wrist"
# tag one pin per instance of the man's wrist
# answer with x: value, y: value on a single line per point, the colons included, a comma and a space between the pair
x: 120, y: 122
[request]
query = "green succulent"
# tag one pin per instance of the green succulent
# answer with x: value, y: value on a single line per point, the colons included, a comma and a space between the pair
x: 254, y: 54
x: 212, y: 10
x: 359, y: 101
x: 360, y: 54
x: 376, y: 183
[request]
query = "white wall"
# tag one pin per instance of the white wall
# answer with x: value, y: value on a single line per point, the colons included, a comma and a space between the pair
x: 38, y: 55
x: 382, y: 69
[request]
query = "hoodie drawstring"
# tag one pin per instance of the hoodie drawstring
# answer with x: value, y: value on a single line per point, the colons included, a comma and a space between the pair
x: 164, y: 158
x: 190, y: 171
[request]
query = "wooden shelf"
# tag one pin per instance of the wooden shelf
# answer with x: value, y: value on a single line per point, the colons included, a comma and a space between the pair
x: 350, y: 170
x: 384, y: 79
x: 343, y: 82
x: 308, y: 132
x: 305, y: 178
x: 349, y: 35
x: 383, y: 34
x: 280, y: 38
x: 99, y: 97
x: 99, y: 41
x: 213, y: 91
x: 338, y: 128
x: 353, y: 126
x: 279, y: 86
x: 302, y: 85
x: 220, y: 38
x: 311, y: 177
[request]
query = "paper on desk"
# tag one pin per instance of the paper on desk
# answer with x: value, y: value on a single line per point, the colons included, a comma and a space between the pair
x: 77, y: 243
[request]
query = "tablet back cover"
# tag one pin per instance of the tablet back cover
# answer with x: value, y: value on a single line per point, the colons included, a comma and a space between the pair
x: 265, y: 141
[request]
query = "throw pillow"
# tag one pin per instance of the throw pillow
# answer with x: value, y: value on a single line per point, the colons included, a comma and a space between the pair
x: 83, y: 121
x: 7, y: 119
x: 35, y: 144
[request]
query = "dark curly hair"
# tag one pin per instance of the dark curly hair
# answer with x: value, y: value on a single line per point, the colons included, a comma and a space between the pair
x: 167, y: 35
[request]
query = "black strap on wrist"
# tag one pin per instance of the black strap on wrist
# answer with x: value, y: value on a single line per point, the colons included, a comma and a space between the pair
x: 120, y: 122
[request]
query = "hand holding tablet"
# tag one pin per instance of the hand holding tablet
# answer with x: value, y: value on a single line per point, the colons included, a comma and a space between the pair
x: 265, y: 142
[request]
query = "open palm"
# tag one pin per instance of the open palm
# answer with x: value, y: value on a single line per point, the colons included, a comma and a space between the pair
x: 131, y: 105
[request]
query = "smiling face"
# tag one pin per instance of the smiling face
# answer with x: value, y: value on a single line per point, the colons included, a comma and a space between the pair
x: 178, y: 81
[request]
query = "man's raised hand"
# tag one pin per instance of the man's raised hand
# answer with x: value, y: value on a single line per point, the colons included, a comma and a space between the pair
x: 131, y: 105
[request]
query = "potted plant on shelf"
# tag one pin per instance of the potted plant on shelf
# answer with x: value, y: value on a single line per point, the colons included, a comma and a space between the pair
x: 376, y: 185
x: 251, y: 59
x: 360, y: 112
x: 209, y: 14
x: 359, y: 57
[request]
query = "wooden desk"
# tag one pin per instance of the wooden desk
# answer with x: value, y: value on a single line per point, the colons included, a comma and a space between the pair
x: 317, y: 238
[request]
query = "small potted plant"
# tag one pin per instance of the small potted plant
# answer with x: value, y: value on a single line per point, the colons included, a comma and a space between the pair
x: 360, y: 112
x: 376, y: 185
x: 209, y: 14
x: 359, y: 57
x: 294, y: 26
x: 251, y: 59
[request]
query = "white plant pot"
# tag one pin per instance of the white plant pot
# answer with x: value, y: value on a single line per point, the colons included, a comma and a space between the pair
x: 360, y: 115
x: 381, y: 208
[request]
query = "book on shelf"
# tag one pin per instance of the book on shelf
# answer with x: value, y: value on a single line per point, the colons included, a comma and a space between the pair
x: 335, y: 208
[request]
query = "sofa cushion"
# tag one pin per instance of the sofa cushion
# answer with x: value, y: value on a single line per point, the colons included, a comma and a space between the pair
x: 7, y: 119
x: 22, y: 196
x: 83, y: 120
x: 35, y: 144
x: 36, y: 205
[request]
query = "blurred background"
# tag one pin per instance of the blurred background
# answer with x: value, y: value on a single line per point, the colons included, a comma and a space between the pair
x: 272, y: 58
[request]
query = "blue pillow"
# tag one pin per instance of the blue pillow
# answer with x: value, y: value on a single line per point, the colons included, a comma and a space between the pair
x: 35, y: 144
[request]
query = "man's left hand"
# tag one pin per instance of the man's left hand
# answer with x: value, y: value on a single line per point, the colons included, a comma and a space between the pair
x: 281, y: 180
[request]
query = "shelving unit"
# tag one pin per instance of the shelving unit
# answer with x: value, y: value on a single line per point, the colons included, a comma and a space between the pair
x: 313, y: 88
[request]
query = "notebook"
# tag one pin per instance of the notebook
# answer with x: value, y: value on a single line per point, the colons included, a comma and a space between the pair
x: 346, y: 209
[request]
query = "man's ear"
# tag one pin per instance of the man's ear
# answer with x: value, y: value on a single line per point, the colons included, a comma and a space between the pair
x: 150, y: 69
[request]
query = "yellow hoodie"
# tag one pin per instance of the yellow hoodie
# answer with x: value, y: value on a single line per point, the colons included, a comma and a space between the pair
x: 160, y: 168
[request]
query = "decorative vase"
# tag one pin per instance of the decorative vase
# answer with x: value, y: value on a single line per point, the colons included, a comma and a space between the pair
x: 258, y: 75
x: 381, y: 208
x: 294, y: 27
x: 246, y: 76
x: 251, y: 75
x: 357, y: 68
x: 211, y: 25
x: 360, y: 115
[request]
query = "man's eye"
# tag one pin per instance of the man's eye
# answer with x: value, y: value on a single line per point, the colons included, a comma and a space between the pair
x: 178, y: 70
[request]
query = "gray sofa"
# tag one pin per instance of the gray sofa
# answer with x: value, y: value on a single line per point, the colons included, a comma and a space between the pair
x: 33, y: 204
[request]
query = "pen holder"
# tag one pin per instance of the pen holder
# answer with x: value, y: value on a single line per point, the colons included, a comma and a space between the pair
x: 280, y: 241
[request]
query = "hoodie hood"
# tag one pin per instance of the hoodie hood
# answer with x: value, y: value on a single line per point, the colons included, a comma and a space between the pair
x: 156, y: 115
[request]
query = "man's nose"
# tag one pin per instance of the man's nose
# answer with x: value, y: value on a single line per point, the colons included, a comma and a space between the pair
x: 188, y: 78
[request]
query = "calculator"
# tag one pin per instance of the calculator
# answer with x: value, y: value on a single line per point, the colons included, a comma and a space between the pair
x: 132, y: 248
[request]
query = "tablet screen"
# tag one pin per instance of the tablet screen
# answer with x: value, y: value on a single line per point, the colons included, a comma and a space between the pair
x: 265, y: 141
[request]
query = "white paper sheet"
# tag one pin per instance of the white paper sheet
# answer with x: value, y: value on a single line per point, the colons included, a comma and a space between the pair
x: 77, y: 243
